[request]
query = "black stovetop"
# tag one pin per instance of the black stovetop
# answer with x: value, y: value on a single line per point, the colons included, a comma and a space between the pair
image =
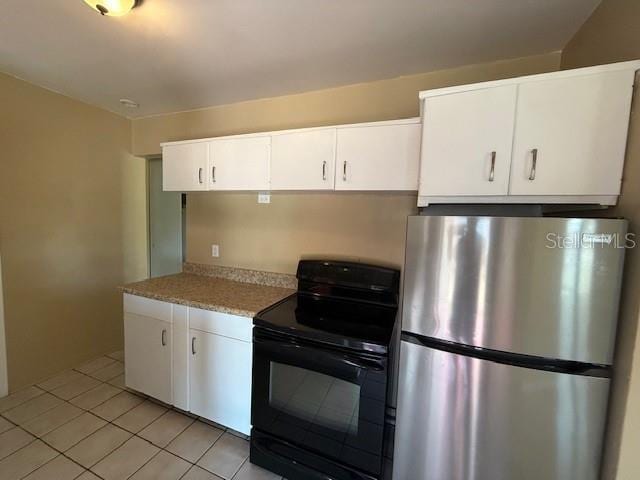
x: 342, y: 323
x: 343, y: 304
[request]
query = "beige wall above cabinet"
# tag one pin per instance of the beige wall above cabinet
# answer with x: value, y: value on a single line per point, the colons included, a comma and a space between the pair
x: 551, y: 138
x: 381, y: 156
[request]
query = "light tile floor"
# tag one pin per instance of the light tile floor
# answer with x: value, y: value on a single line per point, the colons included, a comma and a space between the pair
x: 84, y: 424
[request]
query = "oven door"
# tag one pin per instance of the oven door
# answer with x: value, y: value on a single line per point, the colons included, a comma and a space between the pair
x: 323, y: 399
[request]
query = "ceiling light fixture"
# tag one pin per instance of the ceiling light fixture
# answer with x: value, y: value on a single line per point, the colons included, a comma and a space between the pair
x: 112, y: 8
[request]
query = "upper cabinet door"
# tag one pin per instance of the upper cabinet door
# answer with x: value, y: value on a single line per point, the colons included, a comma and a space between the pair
x: 378, y: 157
x: 303, y: 160
x: 466, y: 142
x: 571, y: 135
x: 184, y: 166
x: 239, y: 163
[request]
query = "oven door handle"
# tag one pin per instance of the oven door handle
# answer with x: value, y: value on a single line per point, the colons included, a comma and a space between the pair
x: 365, y: 362
x: 362, y: 363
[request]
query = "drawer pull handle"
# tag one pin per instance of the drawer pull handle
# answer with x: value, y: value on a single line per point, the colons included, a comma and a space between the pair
x: 344, y: 171
x: 200, y: 175
x: 163, y: 338
x: 193, y: 345
x: 324, y: 170
x: 492, y: 173
x: 534, y: 162
x: 213, y: 174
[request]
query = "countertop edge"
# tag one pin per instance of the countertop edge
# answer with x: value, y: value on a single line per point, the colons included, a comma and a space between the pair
x: 188, y: 303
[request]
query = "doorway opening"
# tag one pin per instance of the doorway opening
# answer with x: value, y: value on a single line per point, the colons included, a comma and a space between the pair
x: 167, y: 216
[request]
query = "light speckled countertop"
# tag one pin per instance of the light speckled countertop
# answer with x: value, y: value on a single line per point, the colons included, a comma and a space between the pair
x: 210, y: 293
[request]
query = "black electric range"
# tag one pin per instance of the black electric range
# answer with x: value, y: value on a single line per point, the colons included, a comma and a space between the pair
x: 320, y: 373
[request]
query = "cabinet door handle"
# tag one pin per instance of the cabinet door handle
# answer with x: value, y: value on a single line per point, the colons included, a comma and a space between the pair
x: 344, y: 171
x: 534, y: 161
x: 213, y: 174
x: 163, y: 339
x: 193, y: 345
x: 200, y: 175
x: 492, y: 172
x: 324, y: 170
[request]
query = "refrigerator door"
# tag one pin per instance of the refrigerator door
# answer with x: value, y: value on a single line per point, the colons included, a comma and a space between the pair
x: 546, y: 287
x: 461, y: 418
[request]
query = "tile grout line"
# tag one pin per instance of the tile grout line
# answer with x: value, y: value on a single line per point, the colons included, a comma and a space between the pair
x: 143, y: 398
x: 40, y: 437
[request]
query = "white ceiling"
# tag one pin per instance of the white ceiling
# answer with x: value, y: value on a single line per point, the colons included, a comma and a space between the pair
x: 173, y: 55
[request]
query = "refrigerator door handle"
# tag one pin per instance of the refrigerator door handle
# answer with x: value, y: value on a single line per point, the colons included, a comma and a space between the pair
x: 513, y: 359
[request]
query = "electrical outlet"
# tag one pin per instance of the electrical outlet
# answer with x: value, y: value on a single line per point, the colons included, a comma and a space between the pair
x: 264, y: 197
x: 215, y: 250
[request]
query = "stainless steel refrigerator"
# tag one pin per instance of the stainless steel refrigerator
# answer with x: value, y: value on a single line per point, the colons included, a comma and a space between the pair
x: 508, y: 333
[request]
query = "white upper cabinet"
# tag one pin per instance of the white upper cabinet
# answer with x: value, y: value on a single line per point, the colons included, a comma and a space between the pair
x: 571, y: 135
x: 303, y: 160
x: 239, y: 163
x: 184, y: 166
x: 385, y: 156
x: 371, y: 156
x: 466, y: 145
x: 558, y: 137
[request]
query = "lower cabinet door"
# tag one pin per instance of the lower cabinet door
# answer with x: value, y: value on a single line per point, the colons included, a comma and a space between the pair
x: 148, y: 344
x: 220, y: 380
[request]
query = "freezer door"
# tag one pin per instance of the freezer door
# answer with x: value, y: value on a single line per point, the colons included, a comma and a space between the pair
x: 547, y: 287
x: 460, y: 418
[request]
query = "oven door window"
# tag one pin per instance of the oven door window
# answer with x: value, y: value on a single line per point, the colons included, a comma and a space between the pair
x: 317, y: 399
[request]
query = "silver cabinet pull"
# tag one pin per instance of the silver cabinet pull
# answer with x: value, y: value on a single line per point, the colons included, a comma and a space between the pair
x: 164, y: 337
x: 213, y: 174
x: 534, y: 161
x: 193, y: 345
x: 344, y: 171
x: 492, y: 173
x: 324, y: 170
x: 200, y: 175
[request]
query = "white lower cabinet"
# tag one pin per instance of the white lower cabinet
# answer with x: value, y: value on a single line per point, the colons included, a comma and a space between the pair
x: 148, y: 352
x: 220, y: 380
x: 198, y: 360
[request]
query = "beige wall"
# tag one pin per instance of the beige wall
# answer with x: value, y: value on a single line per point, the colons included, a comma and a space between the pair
x: 72, y: 228
x: 273, y: 237
x: 381, y: 100
x: 613, y: 34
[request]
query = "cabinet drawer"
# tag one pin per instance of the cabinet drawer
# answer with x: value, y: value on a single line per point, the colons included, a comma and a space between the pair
x: 232, y: 326
x: 147, y: 307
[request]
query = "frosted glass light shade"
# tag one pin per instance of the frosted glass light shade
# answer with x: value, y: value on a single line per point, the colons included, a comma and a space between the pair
x: 111, y: 8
